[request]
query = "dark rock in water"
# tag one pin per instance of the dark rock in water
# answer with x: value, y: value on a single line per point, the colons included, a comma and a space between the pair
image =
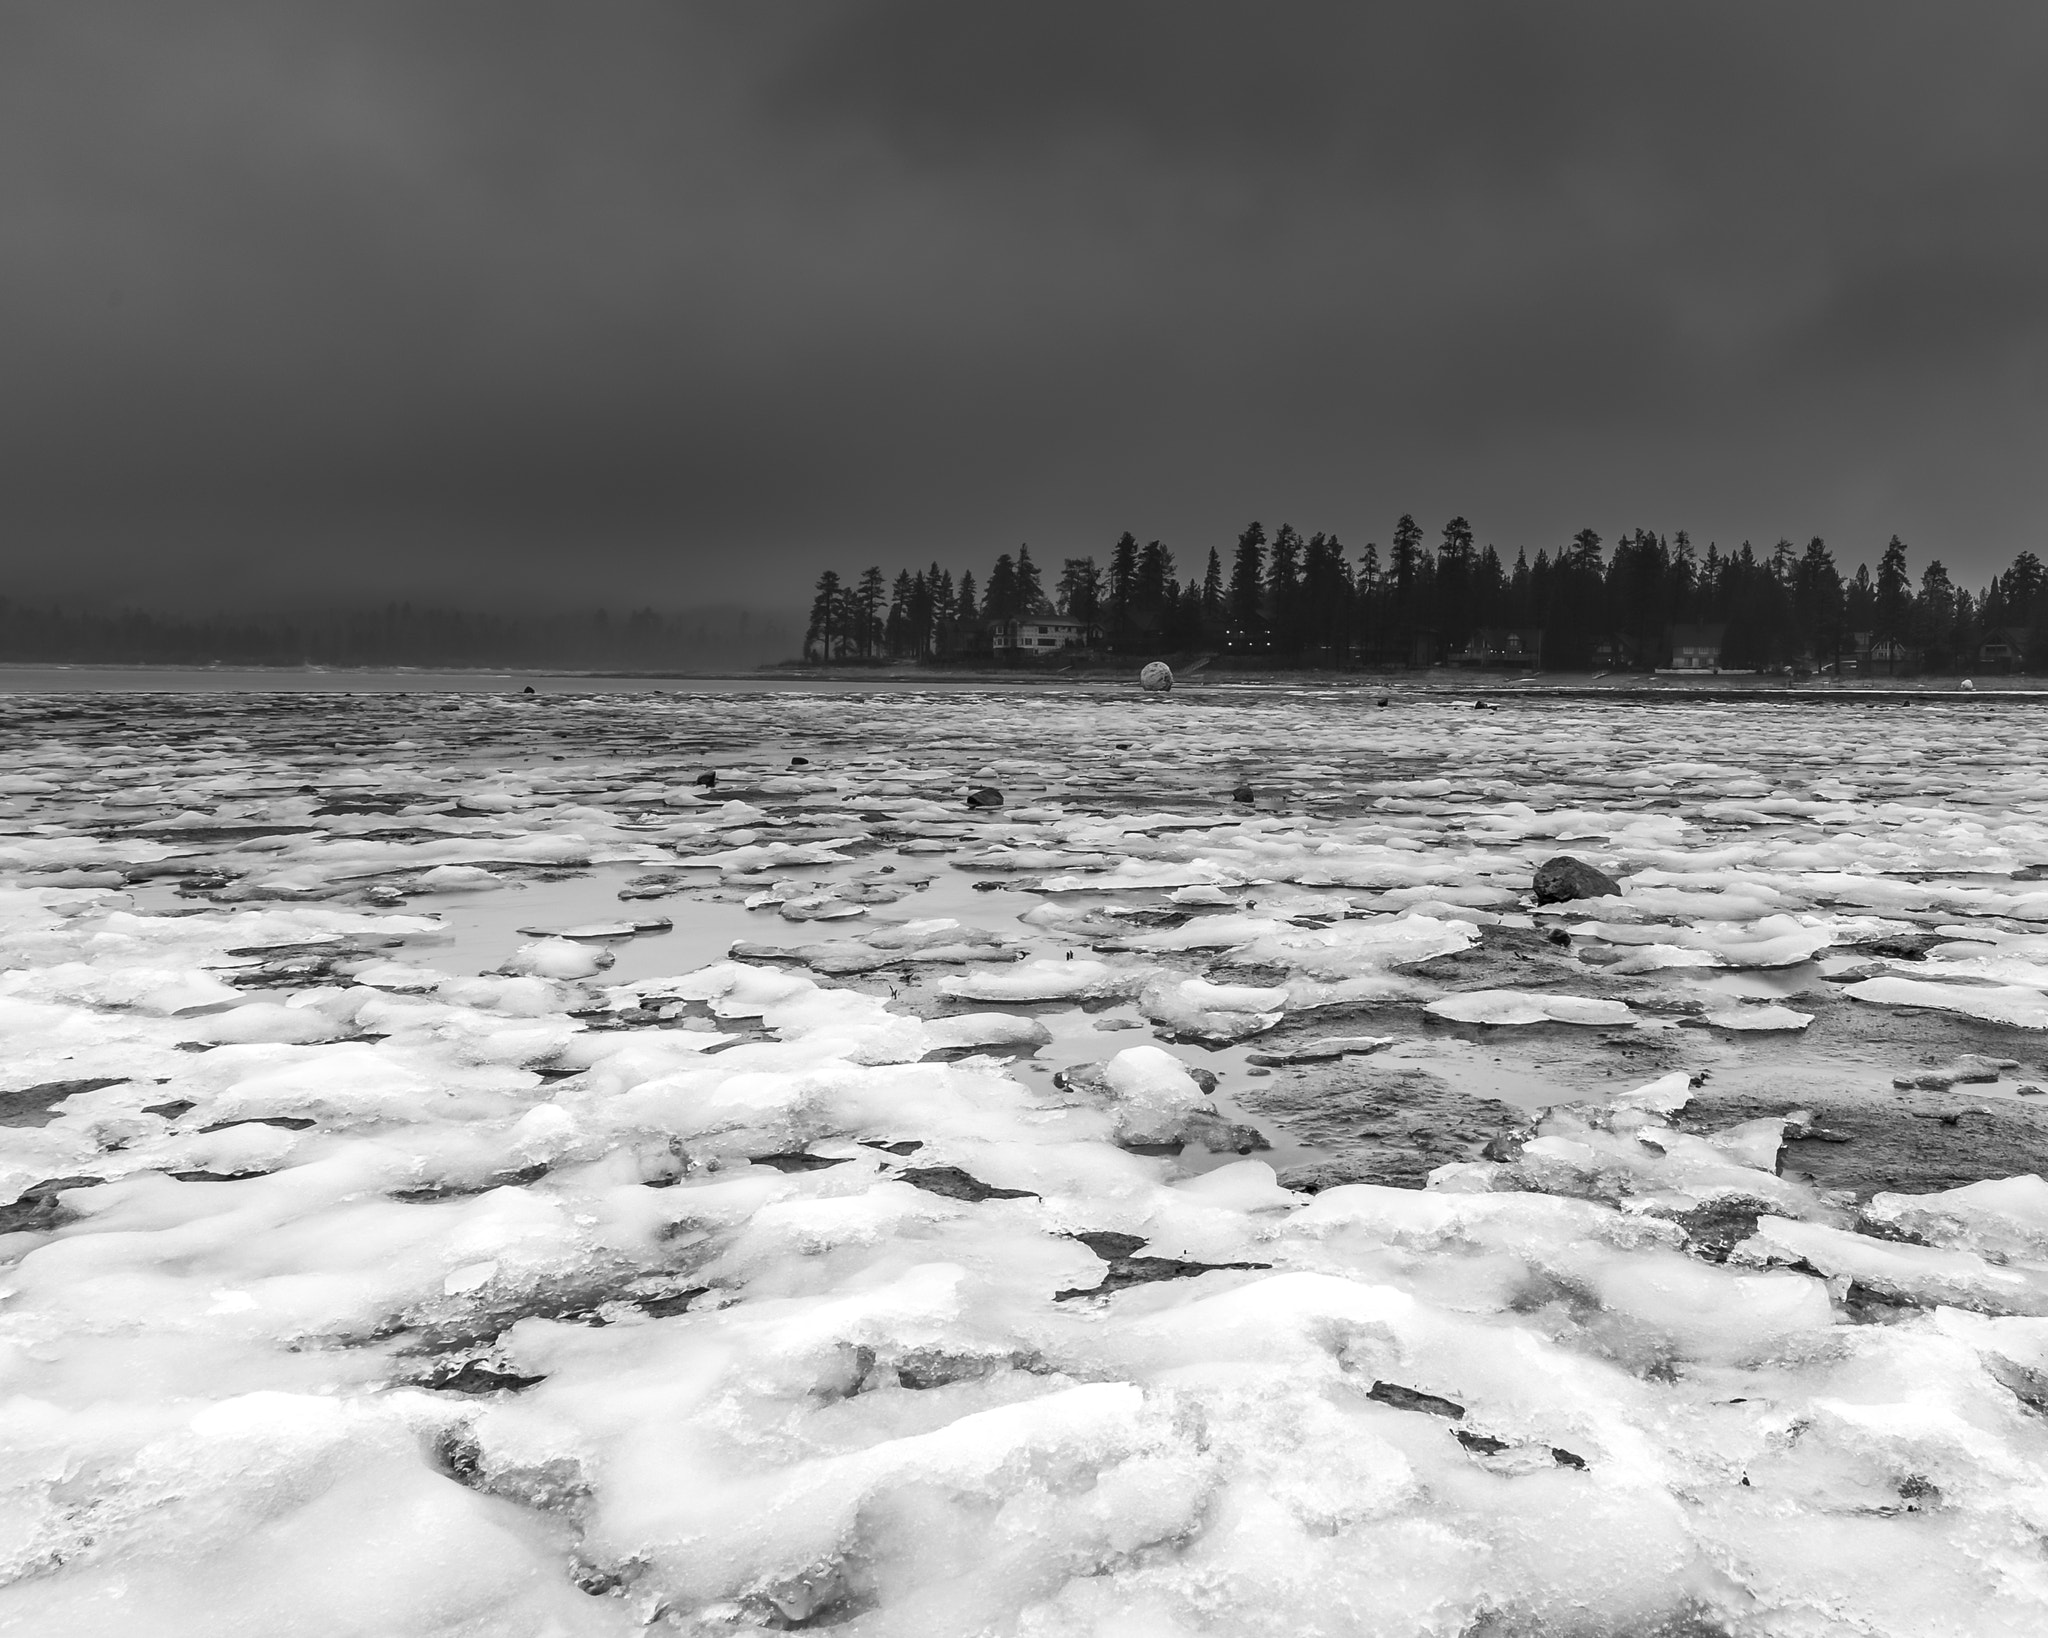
x: 924, y: 1368
x: 1483, y: 1444
x: 1244, y: 793
x: 287, y: 1123
x: 171, y: 1110
x: 1383, y: 700
x: 706, y: 779
x: 428, y: 1193
x: 1376, y: 1123
x: 1220, y: 1136
x: 528, y: 689
x: 906, y: 1146
x: 39, y: 1206
x: 1109, y: 1244
x: 670, y: 1303
x: 954, y: 1184
x: 31, y: 1105
x: 1124, y: 1272
x: 1719, y: 1225
x: 1091, y: 1078
x: 1326, y: 1050
x: 1413, y: 1399
x: 215, y: 1177
x: 1314, y: 1176
x: 798, y: 1162
x: 799, y: 762
x: 1563, y: 879
x: 1897, y: 946
x: 1899, y: 1146
x: 1566, y: 1458
x: 475, y: 1378
x: 986, y: 797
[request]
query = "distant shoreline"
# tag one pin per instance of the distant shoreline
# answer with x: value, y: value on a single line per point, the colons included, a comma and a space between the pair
x: 19, y: 677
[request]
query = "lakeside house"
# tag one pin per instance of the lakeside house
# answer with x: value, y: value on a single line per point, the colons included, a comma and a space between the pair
x: 1893, y: 656
x: 1697, y: 647
x: 1036, y: 633
x: 2004, y: 648
x: 1494, y: 645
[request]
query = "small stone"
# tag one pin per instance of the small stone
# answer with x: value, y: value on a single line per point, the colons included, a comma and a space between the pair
x: 986, y: 797
x: 707, y: 780
x: 1563, y: 879
x: 2028, y: 1091
x: 1244, y: 793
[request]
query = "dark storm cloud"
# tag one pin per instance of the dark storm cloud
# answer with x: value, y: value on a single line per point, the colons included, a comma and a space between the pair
x: 623, y: 301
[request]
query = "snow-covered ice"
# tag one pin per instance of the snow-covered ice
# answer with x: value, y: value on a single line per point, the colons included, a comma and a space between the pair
x: 448, y: 1187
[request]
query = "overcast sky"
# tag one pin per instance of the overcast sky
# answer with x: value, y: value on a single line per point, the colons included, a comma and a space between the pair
x: 607, y: 301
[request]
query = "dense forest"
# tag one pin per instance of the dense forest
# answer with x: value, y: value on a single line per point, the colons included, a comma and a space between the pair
x: 1296, y: 601
x: 396, y: 634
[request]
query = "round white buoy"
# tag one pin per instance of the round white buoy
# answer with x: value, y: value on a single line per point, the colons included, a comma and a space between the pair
x: 1156, y: 678
x: 1966, y: 683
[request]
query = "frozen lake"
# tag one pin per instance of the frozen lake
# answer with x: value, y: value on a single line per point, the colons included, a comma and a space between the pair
x: 457, y: 1153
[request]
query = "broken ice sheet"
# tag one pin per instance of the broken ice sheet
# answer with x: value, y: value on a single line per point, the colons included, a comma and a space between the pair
x: 727, y: 1298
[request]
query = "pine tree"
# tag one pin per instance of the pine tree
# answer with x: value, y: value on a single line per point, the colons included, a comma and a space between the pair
x: 1573, y: 618
x: 1283, y: 589
x: 999, y: 598
x: 1404, y: 558
x: 1247, y: 584
x: 1080, y: 593
x: 1935, y: 614
x: 1859, y: 601
x: 1152, y: 590
x: 968, y: 611
x: 866, y: 606
x: 1817, y: 601
x: 1454, y: 564
x: 1030, y: 594
x: 1123, y: 578
x: 1367, y: 615
x: 896, y: 629
x: 1325, y: 607
x: 921, y: 615
x: 828, y: 615
x: 1894, y: 608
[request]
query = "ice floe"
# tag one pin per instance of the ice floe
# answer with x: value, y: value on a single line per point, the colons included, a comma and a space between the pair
x: 401, y: 1234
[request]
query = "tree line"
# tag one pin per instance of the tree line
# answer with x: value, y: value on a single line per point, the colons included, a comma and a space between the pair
x: 1309, y: 601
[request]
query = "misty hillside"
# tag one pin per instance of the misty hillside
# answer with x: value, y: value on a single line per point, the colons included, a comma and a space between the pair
x: 710, y: 637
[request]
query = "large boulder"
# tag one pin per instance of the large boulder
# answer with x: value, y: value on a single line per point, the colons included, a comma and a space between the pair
x: 1156, y: 678
x: 1562, y: 879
